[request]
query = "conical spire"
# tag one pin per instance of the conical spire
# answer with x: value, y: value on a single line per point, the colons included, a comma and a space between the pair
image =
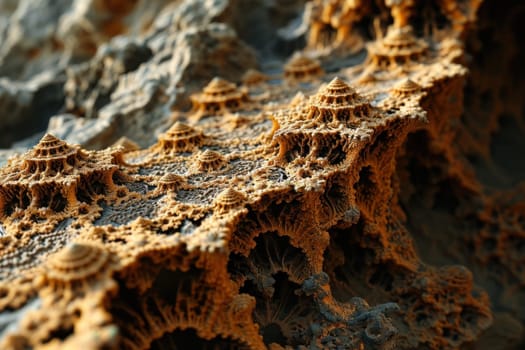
x: 253, y: 77
x: 398, y: 47
x: 76, y: 261
x: 170, y: 182
x: 337, y: 84
x: 218, y: 96
x: 301, y: 67
x: 179, y: 130
x: 229, y: 199
x: 406, y: 87
x: 50, y: 147
x: 337, y: 92
x: 210, y: 160
x: 51, y: 156
x: 219, y: 86
x: 180, y: 137
x: 337, y: 102
x: 48, y: 138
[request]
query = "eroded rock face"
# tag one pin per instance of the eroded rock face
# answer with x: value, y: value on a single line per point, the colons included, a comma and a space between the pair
x: 30, y: 104
x: 128, y: 88
x: 40, y: 39
x: 305, y: 204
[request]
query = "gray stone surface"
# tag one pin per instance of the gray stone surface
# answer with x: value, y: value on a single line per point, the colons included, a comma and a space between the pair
x: 90, y: 71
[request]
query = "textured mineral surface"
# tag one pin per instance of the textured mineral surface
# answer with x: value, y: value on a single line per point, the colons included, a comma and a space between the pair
x: 262, y: 174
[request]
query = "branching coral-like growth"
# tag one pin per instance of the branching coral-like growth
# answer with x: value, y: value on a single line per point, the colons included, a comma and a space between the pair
x: 304, y: 219
x: 273, y: 274
x: 169, y: 299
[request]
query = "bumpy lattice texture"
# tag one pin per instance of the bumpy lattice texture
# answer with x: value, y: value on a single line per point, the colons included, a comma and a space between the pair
x: 276, y: 214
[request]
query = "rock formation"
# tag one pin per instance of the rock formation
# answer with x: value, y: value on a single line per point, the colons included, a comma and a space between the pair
x: 348, y: 178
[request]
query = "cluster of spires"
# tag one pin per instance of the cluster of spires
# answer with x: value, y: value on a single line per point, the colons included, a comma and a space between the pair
x: 52, y: 175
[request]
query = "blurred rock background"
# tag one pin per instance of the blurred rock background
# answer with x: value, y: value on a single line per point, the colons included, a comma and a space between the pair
x: 91, y: 71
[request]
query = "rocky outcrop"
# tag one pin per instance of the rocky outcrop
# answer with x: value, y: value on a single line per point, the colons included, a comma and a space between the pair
x: 248, y: 197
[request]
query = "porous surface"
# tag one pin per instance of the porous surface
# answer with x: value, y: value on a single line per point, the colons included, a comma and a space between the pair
x: 237, y: 174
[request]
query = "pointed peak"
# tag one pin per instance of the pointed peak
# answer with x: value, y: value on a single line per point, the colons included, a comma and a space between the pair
x: 337, y: 87
x: 367, y: 77
x: 51, y: 146
x: 230, y: 195
x: 170, y: 182
x: 337, y: 102
x: 219, y: 85
x: 253, y: 76
x: 126, y: 144
x: 76, y: 261
x: 180, y: 128
x: 300, y: 67
x: 298, y: 99
x: 180, y: 137
x: 171, y: 178
x: 229, y: 199
x: 408, y: 85
x: 47, y: 138
x: 301, y: 61
x: 209, y: 160
x: 338, y: 84
x: 208, y: 156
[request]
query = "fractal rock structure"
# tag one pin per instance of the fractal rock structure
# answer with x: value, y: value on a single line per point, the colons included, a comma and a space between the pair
x: 330, y: 174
